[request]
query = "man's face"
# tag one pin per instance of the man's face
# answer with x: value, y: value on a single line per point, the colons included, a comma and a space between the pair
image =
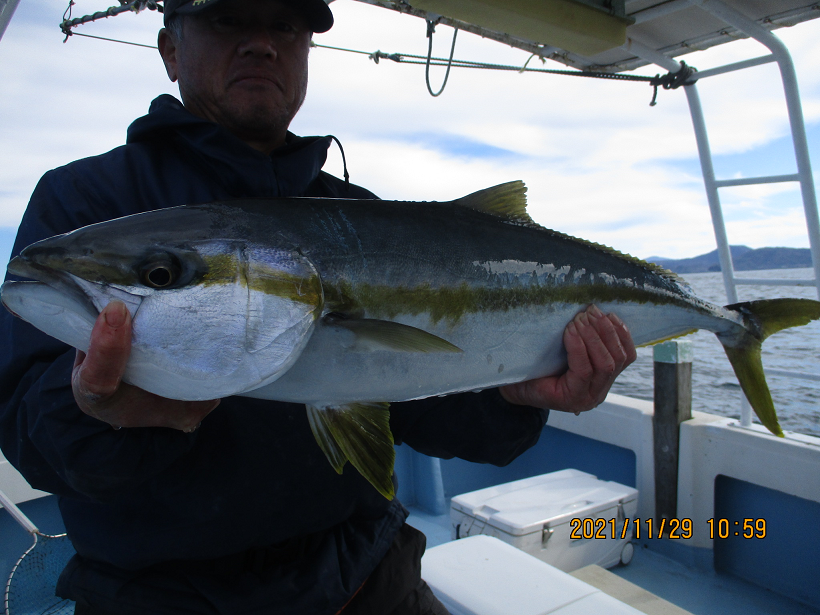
x: 242, y: 64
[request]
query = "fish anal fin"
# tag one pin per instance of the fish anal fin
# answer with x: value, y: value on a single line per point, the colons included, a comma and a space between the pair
x: 359, y: 433
x: 320, y: 426
x: 372, y: 334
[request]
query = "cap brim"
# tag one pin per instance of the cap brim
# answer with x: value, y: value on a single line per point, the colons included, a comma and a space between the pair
x: 317, y: 12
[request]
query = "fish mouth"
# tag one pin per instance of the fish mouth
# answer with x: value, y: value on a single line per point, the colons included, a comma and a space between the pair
x: 58, y: 302
x: 62, y: 286
x: 66, y: 315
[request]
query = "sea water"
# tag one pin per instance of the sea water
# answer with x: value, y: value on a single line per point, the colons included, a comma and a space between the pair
x: 714, y: 387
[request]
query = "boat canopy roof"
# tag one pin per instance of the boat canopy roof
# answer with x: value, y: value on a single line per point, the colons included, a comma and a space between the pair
x: 595, y: 35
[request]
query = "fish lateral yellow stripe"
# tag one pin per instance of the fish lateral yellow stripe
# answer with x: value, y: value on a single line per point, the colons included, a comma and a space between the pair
x: 450, y: 303
x: 299, y: 289
x: 228, y: 269
x: 221, y: 269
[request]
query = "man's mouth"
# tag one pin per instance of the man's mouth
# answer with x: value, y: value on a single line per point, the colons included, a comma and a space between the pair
x: 258, y: 78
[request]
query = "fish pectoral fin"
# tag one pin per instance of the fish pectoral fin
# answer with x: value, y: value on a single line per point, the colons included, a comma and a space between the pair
x: 359, y: 433
x: 374, y: 334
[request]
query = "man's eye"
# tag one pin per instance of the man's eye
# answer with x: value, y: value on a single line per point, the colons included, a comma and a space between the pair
x: 285, y: 26
x: 224, y: 22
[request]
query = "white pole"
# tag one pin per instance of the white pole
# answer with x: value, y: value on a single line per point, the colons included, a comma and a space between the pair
x: 7, y: 8
x: 17, y: 514
x: 712, y: 196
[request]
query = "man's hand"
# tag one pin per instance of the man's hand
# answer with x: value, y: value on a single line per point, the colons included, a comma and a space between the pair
x: 599, y: 347
x: 100, y: 392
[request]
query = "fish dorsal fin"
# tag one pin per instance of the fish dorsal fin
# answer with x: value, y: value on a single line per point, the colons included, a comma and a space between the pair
x: 653, y: 267
x: 507, y: 201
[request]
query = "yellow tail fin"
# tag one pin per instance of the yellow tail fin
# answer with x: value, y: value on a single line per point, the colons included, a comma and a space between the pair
x: 762, y: 319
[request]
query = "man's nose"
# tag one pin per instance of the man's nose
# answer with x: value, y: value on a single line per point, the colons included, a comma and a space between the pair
x: 259, y: 41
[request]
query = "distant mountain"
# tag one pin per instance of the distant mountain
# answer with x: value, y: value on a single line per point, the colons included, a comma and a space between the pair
x: 743, y: 257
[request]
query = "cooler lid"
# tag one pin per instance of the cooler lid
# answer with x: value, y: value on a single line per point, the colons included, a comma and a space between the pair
x: 525, y: 506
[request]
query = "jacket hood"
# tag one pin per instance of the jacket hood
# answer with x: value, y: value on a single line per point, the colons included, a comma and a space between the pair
x: 244, y: 171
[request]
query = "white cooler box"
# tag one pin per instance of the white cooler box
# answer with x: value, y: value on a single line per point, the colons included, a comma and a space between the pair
x: 563, y: 518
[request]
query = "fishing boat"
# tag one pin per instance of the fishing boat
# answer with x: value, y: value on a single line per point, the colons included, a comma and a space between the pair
x: 727, y: 516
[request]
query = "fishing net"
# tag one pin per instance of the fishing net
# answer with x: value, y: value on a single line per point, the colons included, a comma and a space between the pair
x: 31, y: 584
x: 30, y: 588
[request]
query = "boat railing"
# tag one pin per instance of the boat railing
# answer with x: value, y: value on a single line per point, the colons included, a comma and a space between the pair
x: 790, y: 374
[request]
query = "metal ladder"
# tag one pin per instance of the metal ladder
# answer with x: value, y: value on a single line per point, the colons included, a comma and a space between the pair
x: 780, y: 55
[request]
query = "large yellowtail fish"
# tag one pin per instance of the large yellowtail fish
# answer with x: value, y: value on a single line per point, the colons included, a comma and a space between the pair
x: 346, y: 305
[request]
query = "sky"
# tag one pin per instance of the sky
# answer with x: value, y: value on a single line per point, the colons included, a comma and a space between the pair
x: 599, y: 162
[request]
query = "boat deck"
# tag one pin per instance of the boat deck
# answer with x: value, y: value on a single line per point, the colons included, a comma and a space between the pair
x: 718, y: 465
x: 700, y: 592
x: 697, y: 591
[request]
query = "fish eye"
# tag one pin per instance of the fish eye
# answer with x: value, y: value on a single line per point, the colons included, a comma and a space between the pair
x: 161, y: 273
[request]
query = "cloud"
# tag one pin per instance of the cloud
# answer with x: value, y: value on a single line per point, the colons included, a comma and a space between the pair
x: 599, y: 162
x: 67, y: 101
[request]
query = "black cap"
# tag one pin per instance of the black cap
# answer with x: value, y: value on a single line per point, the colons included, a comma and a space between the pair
x: 317, y: 12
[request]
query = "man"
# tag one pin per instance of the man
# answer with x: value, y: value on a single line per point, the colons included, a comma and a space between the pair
x: 229, y: 506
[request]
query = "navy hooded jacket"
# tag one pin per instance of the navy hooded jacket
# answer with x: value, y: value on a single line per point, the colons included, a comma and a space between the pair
x: 252, y: 474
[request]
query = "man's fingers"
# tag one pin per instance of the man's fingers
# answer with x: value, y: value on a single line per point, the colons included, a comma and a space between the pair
x: 603, y: 343
x: 101, y: 370
x: 138, y: 408
x: 625, y: 337
x: 578, y: 364
x: 197, y: 412
x: 598, y: 348
x: 100, y: 392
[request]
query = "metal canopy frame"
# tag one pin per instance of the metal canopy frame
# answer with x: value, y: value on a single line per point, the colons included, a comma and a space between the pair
x: 781, y: 56
x: 670, y: 27
x: 7, y: 8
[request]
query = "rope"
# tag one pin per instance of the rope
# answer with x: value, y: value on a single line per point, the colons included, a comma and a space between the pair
x: 685, y: 76
x: 344, y: 163
x: 111, y: 40
x: 431, y: 28
x: 670, y: 81
x: 133, y: 6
